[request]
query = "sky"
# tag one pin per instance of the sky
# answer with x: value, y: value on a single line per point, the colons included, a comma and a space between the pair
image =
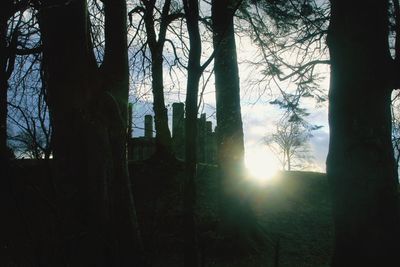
x: 258, y: 115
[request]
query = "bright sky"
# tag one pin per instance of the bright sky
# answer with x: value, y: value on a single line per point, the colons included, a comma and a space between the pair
x: 259, y: 117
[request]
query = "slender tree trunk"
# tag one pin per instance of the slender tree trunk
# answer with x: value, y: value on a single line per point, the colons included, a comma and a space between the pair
x: 163, y: 134
x: 89, y: 116
x: 360, y: 164
x: 230, y: 130
x: 3, y: 87
x: 5, y: 14
x: 192, y: 91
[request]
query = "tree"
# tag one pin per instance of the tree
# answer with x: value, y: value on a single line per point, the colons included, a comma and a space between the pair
x: 229, y: 120
x: 4, y: 16
x: 360, y: 163
x: 33, y: 131
x: 19, y: 51
x: 88, y: 106
x: 238, y: 222
x: 290, y: 37
x: 289, y: 143
x: 194, y: 73
x: 156, y: 43
x: 7, y: 56
x: 195, y: 70
x: 28, y: 116
x: 396, y: 128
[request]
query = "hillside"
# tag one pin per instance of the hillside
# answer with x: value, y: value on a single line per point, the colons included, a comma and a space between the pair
x: 295, y: 209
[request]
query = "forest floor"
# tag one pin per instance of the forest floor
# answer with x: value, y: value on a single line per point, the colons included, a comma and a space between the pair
x: 294, y: 210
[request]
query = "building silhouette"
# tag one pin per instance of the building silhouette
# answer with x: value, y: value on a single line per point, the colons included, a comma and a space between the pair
x: 141, y: 148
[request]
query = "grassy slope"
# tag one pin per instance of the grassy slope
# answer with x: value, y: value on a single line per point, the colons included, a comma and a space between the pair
x: 295, y: 209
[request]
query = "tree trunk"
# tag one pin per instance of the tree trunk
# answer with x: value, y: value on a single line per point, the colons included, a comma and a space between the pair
x: 163, y: 134
x: 5, y: 13
x: 115, y: 70
x: 3, y: 87
x: 360, y: 165
x: 229, y: 121
x: 89, y: 117
x: 192, y: 90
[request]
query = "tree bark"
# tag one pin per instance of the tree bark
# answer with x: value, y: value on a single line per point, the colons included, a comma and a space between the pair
x: 3, y: 87
x: 360, y: 164
x: 229, y: 121
x: 192, y: 91
x: 163, y: 134
x: 89, y: 117
x: 5, y: 14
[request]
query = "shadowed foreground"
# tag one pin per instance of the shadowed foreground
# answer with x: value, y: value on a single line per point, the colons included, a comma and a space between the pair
x: 294, y: 210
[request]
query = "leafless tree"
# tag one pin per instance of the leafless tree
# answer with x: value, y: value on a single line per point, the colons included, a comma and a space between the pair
x: 289, y: 143
x: 156, y: 38
x: 395, y: 107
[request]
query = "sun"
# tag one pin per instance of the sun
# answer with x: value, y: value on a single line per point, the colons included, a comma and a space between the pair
x: 261, y: 164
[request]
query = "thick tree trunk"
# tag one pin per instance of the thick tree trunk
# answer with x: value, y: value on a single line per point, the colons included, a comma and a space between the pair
x: 360, y: 164
x: 192, y: 91
x: 89, y: 116
x: 229, y: 120
x: 115, y: 70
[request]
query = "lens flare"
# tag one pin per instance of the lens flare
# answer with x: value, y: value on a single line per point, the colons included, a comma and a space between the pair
x: 261, y: 164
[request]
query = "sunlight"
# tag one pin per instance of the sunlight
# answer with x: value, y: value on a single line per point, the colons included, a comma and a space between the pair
x: 261, y: 164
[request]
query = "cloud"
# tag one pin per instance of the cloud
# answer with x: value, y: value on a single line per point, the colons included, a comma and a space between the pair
x: 261, y: 118
x: 258, y: 116
x: 319, y: 146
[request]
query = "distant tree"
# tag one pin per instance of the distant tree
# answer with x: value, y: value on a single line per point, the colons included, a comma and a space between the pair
x: 396, y: 128
x: 360, y: 166
x: 19, y: 50
x: 7, y: 56
x: 28, y: 114
x: 289, y: 142
x: 32, y: 138
x: 88, y: 106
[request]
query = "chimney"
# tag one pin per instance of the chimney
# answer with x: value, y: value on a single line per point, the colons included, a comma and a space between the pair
x: 130, y: 121
x: 178, y: 129
x: 148, y: 126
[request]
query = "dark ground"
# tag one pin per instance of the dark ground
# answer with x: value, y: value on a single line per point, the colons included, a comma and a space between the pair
x: 294, y: 210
